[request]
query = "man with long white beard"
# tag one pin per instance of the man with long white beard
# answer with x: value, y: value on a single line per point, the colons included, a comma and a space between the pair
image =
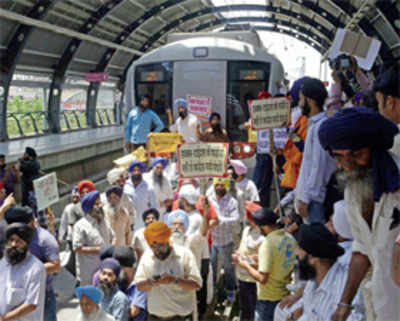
x: 116, y: 176
x: 178, y: 222
x: 22, y: 277
x: 91, y: 232
x: 115, y: 301
x: 160, y: 184
x: 117, y: 216
x: 359, y: 140
x: 90, y: 298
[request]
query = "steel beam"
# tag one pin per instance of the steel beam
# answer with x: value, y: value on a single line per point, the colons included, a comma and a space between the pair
x: 64, y: 64
x: 298, y: 16
x: 131, y: 28
x: 108, y: 55
x: 12, y: 56
x: 267, y: 8
x: 317, y: 41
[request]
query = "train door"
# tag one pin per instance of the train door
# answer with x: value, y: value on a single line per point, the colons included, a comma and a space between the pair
x: 155, y: 80
x: 245, y: 80
x: 201, y: 78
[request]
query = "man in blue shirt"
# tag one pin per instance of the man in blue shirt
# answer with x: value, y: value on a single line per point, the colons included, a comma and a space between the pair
x: 45, y: 247
x: 115, y: 301
x: 317, y: 165
x: 137, y: 299
x: 139, y: 124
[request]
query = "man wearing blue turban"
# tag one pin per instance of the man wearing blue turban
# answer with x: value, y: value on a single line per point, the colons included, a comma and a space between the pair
x: 90, y: 233
x: 186, y: 124
x: 140, y: 192
x: 359, y: 139
x: 90, y: 298
x: 161, y: 184
x: 215, y: 133
x: 178, y: 222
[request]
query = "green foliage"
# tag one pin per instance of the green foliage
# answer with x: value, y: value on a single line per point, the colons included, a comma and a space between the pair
x: 18, y: 105
x: 21, y: 108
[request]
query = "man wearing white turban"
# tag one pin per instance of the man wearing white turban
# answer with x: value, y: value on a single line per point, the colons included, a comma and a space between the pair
x: 188, y: 197
x: 116, y: 176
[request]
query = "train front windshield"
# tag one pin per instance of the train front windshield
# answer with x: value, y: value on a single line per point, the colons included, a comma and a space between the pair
x: 245, y: 79
x: 155, y: 80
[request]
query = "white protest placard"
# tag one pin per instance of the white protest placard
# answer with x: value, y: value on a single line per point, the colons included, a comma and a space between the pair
x: 199, y: 105
x: 363, y: 48
x: 264, y: 141
x: 202, y: 160
x: 269, y: 113
x: 46, y: 191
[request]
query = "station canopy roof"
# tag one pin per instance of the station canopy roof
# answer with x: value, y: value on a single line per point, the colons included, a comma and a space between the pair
x: 74, y: 37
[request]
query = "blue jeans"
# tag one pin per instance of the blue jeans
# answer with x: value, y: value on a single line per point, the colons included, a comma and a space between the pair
x: 50, y: 309
x: 315, y: 213
x: 263, y: 177
x: 265, y: 310
x: 225, y: 251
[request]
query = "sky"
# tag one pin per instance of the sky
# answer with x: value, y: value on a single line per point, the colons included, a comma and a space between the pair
x: 291, y: 52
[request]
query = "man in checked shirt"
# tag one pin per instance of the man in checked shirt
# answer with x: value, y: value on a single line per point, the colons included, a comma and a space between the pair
x: 222, y: 229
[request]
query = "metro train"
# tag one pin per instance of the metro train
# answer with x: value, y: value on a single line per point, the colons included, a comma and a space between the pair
x: 231, y: 67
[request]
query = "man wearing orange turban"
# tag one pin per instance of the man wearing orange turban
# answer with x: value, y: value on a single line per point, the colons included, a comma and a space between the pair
x: 173, y: 267
x: 157, y: 232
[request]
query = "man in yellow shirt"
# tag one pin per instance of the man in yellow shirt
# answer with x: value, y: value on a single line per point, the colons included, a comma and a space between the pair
x: 276, y: 260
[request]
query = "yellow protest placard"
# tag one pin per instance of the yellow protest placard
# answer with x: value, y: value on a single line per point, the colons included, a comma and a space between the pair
x: 163, y: 142
x: 252, y: 136
x: 124, y: 161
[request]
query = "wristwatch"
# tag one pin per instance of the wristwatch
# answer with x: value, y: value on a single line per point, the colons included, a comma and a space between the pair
x: 176, y: 280
x: 345, y: 305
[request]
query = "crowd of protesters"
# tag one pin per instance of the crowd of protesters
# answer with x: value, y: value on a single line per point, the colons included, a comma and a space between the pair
x: 156, y: 247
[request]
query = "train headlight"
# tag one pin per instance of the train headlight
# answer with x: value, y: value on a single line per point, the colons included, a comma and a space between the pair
x: 200, y: 52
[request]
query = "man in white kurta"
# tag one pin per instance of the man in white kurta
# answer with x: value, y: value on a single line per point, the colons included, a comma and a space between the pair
x: 116, y: 177
x: 186, y: 124
x: 91, y: 233
x: 159, y: 182
x: 140, y: 193
x: 169, y: 274
x: 359, y: 140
